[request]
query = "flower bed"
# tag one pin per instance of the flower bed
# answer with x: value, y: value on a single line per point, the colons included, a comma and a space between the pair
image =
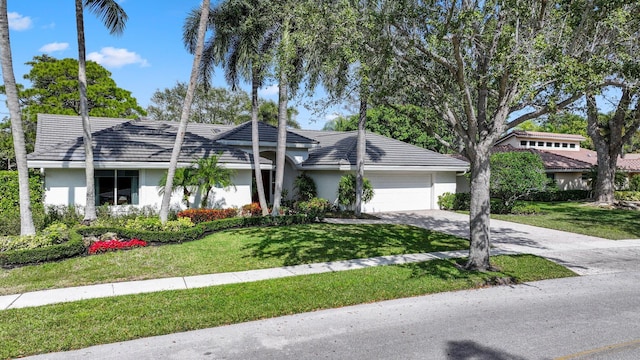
x: 202, y: 215
x: 111, y: 245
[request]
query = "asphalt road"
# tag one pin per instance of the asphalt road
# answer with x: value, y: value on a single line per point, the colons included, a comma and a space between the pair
x: 588, y: 317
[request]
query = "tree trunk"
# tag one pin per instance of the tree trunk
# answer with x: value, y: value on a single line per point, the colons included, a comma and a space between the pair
x: 26, y: 216
x: 255, y: 143
x: 605, y: 181
x: 479, y: 227
x: 282, y: 143
x: 90, y: 206
x: 184, y: 117
x: 360, y: 153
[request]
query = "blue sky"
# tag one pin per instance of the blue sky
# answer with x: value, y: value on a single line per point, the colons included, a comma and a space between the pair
x: 147, y: 57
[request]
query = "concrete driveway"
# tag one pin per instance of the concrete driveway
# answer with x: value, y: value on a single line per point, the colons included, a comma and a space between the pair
x: 586, y: 255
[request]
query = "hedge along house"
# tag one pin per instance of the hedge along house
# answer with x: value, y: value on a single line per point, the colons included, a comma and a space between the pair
x: 564, y: 159
x: 131, y: 156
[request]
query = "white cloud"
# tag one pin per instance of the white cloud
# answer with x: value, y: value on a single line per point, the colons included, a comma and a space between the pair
x: 19, y: 22
x: 53, y: 47
x: 269, y: 90
x: 332, y: 116
x: 117, y: 58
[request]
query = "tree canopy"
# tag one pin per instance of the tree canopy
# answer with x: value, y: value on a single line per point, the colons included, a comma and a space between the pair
x: 54, y: 90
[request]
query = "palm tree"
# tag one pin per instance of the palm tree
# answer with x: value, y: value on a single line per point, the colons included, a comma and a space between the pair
x: 242, y: 39
x: 114, y: 18
x: 186, y: 107
x: 26, y: 217
x: 209, y: 174
x: 183, y: 179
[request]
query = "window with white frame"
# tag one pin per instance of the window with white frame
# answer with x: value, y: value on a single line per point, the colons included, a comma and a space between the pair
x: 117, y: 187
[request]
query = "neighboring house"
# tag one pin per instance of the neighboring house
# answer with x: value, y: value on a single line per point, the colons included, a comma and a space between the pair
x: 131, y: 156
x: 564, y: 160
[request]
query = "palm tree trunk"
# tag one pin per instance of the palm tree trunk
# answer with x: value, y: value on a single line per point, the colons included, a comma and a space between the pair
x: 186, y: 107
x: 255, y: 142
x: 26, y: 217
x: 282, y: 143
x: 360, y: 153
x: 90, y: 206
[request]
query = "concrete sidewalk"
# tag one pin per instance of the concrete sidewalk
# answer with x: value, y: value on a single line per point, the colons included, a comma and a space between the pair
x: 585, y: 255
x: 53, y: 296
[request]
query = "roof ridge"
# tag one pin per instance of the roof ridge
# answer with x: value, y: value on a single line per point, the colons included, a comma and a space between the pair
x: 564, y: 156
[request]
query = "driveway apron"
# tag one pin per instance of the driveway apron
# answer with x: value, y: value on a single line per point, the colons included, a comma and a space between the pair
x: 583, y: 254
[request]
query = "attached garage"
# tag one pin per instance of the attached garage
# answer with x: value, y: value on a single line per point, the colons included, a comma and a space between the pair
x: 396, y: 191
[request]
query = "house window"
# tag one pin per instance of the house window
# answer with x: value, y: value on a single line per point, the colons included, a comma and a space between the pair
x: 523, y: 143
x: 572, y: 146
x: 116, y: 187
x: 551, y: 176
x: 540, y: 143
x: 556, y: 145
x: 564, y: 145
x: 532, y: 143
x: 549, y: 144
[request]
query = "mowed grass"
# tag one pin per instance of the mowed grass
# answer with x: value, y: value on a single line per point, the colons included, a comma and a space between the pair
x: 232, y: 250
x: 81, y: 324
x: 582, y: 218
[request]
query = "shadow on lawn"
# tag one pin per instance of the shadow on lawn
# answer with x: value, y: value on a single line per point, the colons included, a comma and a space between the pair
x: 332, y: 242
x: 458, y: 227
x: 584, y: 215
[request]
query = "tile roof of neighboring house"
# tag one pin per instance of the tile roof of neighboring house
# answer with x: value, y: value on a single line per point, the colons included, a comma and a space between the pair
x: 540, y: 135
x: 583, y: 159
x: 340, y: 147
x: 60, y: 139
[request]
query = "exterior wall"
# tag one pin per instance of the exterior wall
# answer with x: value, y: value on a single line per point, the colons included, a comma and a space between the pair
x: 68, y: 187
x: 515, y: 142
x: 570, y: 181
x: 444, y: 182
x: 65, y: 187
x: 462, y: 184
x: 327, y: 183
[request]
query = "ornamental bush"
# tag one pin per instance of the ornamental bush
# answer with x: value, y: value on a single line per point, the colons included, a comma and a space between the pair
x: 627, y: 195
x: 54, y: 234
x: 634, y: 183
x: 10, y: 201
x: 347, y: 190
x: 306, y: 187
x: 315, y: 208
x: 112, y: 245
x: 513, y: 176
x: 201, y: 215
x: 252, y: 209
x: 73, y: 247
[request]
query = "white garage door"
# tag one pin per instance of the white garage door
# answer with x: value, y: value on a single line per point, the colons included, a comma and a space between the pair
x: 399, y: 191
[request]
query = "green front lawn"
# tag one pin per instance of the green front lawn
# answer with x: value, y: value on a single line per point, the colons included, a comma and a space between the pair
x: 85, y: 323
x: 582, y: 218
x: 232, y: 250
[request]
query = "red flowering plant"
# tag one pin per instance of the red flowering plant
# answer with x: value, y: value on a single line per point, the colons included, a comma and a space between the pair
x: 111, y: 245
x: 201, y: 215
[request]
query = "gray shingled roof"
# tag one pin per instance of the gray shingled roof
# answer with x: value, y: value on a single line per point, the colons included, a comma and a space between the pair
x: 340, y: 147
x: 129, y: 141
x: 60, y: 139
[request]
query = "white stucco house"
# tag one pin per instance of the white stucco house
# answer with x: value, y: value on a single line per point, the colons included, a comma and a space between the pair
x: 131, y: 156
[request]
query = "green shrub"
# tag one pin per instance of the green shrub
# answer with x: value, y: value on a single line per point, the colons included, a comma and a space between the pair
x: 73, y: 247
x: 347, y: 190
x: 446, y: 200
x: 634, y: 183
x: 513, y: 176
x: 52, y: 235
x: 201, y: 215
x: 10, y: 201
x: 306, y: 187
x: 525, y: 209
x: 558, y: 195
x: 315, y: 208
x: 252, y: 209
x: 627, y: 195
x: 68, y: 215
